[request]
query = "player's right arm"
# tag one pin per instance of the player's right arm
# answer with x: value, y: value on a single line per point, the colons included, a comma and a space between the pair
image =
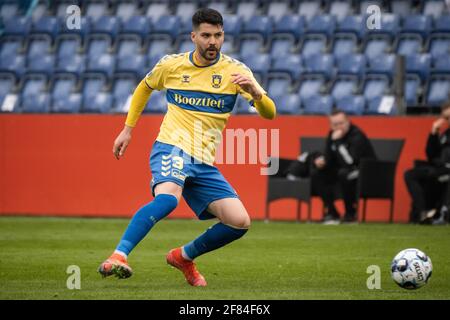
x: 154, y: 80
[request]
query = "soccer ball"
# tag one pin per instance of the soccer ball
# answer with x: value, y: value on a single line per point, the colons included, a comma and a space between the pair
x: 411, y: 268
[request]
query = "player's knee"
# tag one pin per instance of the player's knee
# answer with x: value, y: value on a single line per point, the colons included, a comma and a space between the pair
x: 242, y: 222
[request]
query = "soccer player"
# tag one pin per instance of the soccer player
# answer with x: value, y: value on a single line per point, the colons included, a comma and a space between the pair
x: 202, y: 87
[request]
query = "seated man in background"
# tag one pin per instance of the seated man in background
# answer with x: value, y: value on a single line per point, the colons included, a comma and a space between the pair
x: 346, y: 145
x: 427, y: 181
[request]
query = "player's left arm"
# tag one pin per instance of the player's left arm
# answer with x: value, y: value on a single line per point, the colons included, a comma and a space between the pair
x: 263, y: 104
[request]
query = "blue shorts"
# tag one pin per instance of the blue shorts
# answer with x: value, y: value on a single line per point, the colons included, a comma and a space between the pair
x: 201, y: 183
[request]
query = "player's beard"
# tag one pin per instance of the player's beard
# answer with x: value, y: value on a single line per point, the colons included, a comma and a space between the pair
x: 209, y: 54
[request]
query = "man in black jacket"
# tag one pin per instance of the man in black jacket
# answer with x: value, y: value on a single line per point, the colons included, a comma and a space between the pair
x: 427, y: 181
x: 346, y: 145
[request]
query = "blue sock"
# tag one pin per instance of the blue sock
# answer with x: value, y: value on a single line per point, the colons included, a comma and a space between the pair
x: 215, y: 237
x: 144, y: 219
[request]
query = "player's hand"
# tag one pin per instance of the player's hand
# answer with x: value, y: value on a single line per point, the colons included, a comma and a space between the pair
x: 337, y: 134
x: 247, y: 85
x: 437, y: 125
x: 319, y: 162
x: 121, y: 142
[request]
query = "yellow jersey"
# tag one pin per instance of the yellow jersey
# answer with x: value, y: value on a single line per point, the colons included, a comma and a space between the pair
x: 200, y: 100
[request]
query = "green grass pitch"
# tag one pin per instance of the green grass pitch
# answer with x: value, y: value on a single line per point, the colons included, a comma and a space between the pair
x: 276, y: 260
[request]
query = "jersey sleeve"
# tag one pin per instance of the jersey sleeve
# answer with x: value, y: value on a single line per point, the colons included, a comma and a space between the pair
x: 243, y: 69
x: 155, y: 79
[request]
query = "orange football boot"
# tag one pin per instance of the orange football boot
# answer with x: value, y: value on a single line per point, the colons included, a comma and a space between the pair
x: 193, y: 277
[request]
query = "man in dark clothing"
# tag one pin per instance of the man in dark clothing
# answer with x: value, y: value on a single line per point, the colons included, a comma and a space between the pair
x: 428, y: 180
x: 346, y: 145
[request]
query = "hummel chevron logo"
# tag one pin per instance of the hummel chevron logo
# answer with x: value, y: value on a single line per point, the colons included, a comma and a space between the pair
x: 165, y: 163
x: 164, y: 168
x: 167, y: 157
x: 165, y: 174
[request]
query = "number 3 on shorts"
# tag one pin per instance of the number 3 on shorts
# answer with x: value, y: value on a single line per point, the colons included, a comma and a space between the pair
x: 177, y: 163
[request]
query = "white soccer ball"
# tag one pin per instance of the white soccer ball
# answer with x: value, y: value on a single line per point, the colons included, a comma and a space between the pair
x: 411, y: 268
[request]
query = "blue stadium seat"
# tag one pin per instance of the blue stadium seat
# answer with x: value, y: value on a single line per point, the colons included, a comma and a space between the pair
x: 309, y: 9
x: 375, y: 86
x: 73, y: 63
x: 62, y: 85
x: 290, y: 24
x: 128, y: 45
x: 46, y: 24
x: 281, y: 45
x: 261, y: 25
x: 139, y: 25
x: 288, y: 104
x: 68, y: 45
x: 442, y: 24
x: 318, y: 105
x: 382, y: 105
x: 184, y: 44
x: 34, y: 90
x: 157, y: 103
x: 126, y: 10
x: 68, y: 104
x: 166, y: 25
x: 350, y: 104
x: 122, y: 90
x: 92, y: 84
x: 242, y: 106
x: 44, y: 63
x: 390, y: 25
x: 340, y: 9
x: 310, y: 86
x: 419, y: 64
x: 383, y: 64
x: 433, y: 8
x: 410, y: 44
x: 291, y: 64
x: 232, y: 25
x: 9, y: 9
x: 278, y: 85
x: 319, y: 64
x: 249, y: 46
x: 186, y: 9
x: 83, y: 31
x: 106, y: 25
x: 355, y: 25
x: 417, y: 24
x: 39, y: 103
x: 17, y: 26
x: 438, y: 90
x: 439, y: 45
x: 7, y: 85
x: 185, y: 27
x: 441, y: 64
x: 95, y: 10
x: 401, y: 8
x: 322, y: 24
x: 344, y: 86
x: 135, y: 64
x: 14, y: 64
x: 246, y: 9
x: 278, y: 9
x: 38, y: 45
x: 344, y: 45
x: 375, y: 47
x: 412, y: 89
x: 98, y: 45
x: 259, y: 64
x: 155, y: 10
x: 104, y: 63
x: 221, y: 6
x: 313, y: 45
x: 100, y: 103
x: 159, y: 46
x: 10, y: 46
